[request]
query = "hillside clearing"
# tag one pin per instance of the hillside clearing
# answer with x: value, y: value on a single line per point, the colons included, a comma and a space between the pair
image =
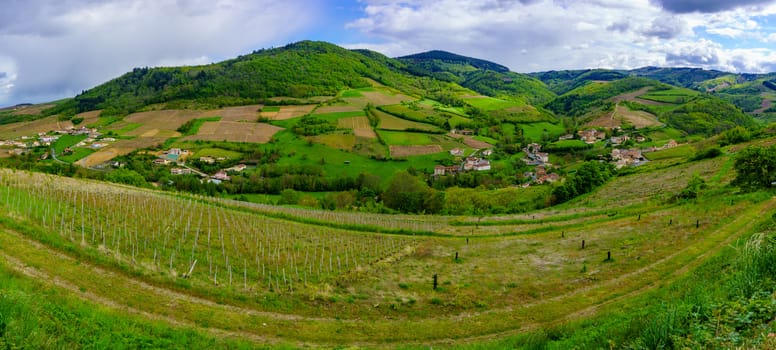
x: 415, y: 150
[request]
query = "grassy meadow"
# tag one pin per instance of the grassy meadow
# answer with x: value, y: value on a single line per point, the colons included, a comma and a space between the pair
x: 201, y: 271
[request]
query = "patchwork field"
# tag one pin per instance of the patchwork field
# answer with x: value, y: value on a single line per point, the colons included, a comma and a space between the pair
x: 235, y: 132
x: 360, y: 126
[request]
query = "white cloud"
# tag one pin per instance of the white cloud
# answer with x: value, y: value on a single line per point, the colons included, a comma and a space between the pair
x: 75, y: 45
x: 557, y: 34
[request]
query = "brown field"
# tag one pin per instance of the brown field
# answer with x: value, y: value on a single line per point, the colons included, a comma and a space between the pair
x: 359, y: 102
x: 406, y: 151
x: 240, y: 113
x: 10, y: 131
x: 471, y: 142
x: 337, y: 109
x: 360, y: 126
x: 31, y: 110
x: 382, y: 99
x: 155, y: 122
x: 235, y: 132
x: 639, y: 119
x: 90, y: 117
x: 288, y: 112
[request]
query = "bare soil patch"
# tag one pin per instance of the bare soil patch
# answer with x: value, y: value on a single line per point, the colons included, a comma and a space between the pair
x: 382, y: 99
x: 416, y: 150
x: 337, y: 109
x: 47, y: 124
x: 471, y: 142
x: 288, y: 112
x: 240, y: 113
x: 620, y: 115
x: 235, y: 132
x: 360, y: 126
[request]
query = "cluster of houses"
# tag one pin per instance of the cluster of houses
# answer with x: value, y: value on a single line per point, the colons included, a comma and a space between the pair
x: 178, y: 157
x: 534, y: 155
x: 470, y: 163
x: 21, y: 144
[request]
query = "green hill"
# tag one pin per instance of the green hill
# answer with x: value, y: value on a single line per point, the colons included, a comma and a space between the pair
x: 300, y: 70
x: 487, y: 78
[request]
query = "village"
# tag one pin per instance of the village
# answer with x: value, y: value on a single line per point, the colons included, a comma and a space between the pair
x: 22, y: 145
x: 620, y: 156
x: 177, y: 158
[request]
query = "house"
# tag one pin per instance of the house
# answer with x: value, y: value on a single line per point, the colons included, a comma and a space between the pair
x: 240, y: 167
x: 617, y: 140
x: 441, y: 170
x: 174, y: 151
x: 532, y: 148
x: 465, y: 132
x: 180, y: 171
x: 487, y: 152
x: 221, y: 175
x: 457, y: 152
x: 640, y: 138
x: 207, y: 160
x: 477, y: 164
x: 161, y: 161
x: 482, y: 165
x: 670, y: 144
x: 630, y: 157
x: 566, y: 137
x: 591, y: 136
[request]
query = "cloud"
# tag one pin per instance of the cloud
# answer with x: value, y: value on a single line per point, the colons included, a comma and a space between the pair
x: 63, y: 47
x: 665, y: 28
x: 706, y: 6
x: 703, y: 53
x: 565, y: 34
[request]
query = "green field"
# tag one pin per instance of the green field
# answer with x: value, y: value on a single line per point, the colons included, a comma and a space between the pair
x: 673, y: 96
x: 490, y: 103
x: 391, y: 122
x: 66, y: 141
x: 405, y: 138
x: 535, y: 131
x: 216, y: 153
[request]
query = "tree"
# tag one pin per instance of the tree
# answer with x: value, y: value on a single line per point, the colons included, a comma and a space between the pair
x: 756, y: 168
x: 408, y: 194
x: 126, y: 176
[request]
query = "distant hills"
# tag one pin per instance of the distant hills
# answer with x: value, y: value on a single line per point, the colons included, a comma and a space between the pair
x: 689, y: 99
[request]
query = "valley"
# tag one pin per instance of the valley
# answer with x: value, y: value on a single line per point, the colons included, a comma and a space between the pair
x: 431, y: 200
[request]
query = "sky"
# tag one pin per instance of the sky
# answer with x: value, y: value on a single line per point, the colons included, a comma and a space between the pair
x: 53, y: 49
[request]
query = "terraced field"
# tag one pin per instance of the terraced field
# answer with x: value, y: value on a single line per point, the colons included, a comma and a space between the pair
x: 309, y: 278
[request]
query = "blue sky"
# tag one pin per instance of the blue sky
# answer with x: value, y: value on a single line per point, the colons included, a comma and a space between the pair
x: 51, y: 49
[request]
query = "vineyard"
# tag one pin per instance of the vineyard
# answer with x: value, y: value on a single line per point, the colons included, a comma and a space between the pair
x: 188, y: 238
x: 312, y: 278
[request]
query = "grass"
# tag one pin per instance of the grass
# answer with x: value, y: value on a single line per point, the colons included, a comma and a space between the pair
x: 78, y: 154
x: 554, y: 294
x: 405, y: 138
x: 490, y: 103
x: 66, y: 141
x: 536, y: 131
x: 673, y: 96
x: 217, y: 153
